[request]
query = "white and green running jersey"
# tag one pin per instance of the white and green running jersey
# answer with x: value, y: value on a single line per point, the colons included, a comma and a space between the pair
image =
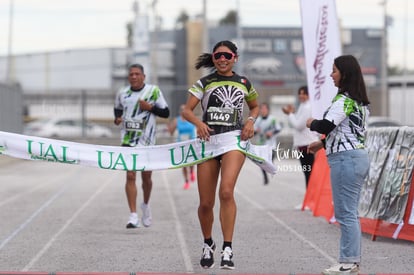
x: 222, y: 100
x: 350, y: 119
x: 138, y: 126
x: 264, y: 125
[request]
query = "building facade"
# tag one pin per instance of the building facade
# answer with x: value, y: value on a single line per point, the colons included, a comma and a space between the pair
x: 272, y: 58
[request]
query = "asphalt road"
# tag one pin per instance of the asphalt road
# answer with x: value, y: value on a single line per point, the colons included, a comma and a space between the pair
x: 69, y: 218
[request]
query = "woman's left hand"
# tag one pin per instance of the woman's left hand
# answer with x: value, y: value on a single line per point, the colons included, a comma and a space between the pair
x: 314, y: 147
x: 248, y: 130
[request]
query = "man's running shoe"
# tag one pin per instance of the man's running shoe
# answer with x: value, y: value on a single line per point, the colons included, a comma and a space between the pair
x: 207, y: 258
x: 146, y: 215
x: 133, y: 221
x: 342, y: 269
x: 226, y: 258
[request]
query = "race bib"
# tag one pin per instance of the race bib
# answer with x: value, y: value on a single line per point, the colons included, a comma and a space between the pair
x: 221, y: 116
x: 136, y: 126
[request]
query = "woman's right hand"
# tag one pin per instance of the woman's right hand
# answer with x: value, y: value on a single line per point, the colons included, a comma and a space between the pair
x: 309, y: 122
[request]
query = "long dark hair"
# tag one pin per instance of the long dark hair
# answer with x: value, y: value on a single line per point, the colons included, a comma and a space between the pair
x: 206, y: 59
x: 352, y: 81
x: 304, y: 89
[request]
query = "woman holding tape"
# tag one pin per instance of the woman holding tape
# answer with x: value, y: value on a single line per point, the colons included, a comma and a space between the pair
x: 344, y: 126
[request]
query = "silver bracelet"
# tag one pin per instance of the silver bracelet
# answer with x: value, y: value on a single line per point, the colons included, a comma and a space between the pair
x: 252, y: 119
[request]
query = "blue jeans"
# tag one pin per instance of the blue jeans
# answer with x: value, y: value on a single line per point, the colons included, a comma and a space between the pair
x: 348, y: 172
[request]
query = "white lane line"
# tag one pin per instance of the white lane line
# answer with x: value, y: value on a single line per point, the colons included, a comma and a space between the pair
x: 63, y: 228
x: 287, y: 227
x: 34, y: 215
x: 178, y: 226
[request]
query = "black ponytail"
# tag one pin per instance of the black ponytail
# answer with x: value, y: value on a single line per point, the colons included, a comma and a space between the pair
x: 205, y: 60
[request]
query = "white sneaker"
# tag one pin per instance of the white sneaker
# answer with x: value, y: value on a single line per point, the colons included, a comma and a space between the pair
x: 133, y: 221
x: 207, y: 257
x: 146, y: 215
x: 227, y: 258
x: 299, y: 207
x: 342, y: 269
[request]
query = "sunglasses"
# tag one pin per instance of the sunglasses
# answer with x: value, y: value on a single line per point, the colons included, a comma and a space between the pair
x: 227, y: 55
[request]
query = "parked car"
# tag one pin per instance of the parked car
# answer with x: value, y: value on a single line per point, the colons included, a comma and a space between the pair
x: 65, y: 127
x: 381, y: 121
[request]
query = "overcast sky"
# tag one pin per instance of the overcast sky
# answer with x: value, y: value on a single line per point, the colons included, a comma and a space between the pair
x: 48, y: 25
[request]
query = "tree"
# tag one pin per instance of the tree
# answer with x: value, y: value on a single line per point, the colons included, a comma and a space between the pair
x: 229, y: 19
x: 181, y: 19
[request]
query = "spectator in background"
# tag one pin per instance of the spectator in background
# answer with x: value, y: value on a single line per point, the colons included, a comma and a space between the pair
x: 186, y: 131
x: 136, y: 107
x: 302, y: 136
x: 266, y: 128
